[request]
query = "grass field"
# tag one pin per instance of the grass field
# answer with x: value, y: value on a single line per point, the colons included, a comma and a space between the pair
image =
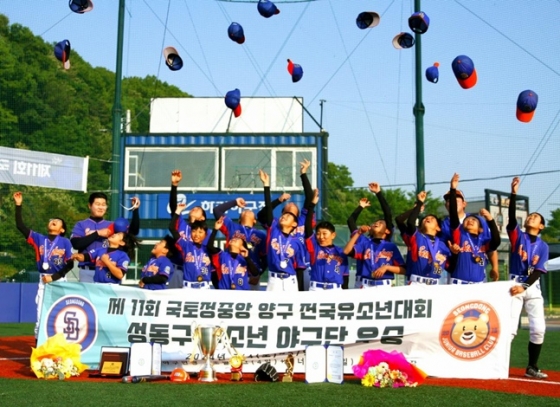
x: 14, y: 392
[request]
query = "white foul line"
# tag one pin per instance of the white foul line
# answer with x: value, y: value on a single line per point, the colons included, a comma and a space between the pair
x: 541, y: 381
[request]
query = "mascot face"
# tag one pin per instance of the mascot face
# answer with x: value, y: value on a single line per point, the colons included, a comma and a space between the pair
x: 470, y: 332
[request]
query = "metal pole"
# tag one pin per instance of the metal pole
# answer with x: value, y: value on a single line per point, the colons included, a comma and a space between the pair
x: 419, y: 111
x: 117, y: 120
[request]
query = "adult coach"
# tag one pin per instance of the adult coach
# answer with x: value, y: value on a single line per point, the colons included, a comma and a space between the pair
x: 92, y: 233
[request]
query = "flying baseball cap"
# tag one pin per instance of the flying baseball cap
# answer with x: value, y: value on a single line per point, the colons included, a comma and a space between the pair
x: 179, y: 375
x: 62, y: 53
x: 419, y: 22
x: 458, y: 192
x: 463, y: 68
x: 526, y: 105
x: 432, y: 73
x: 172, y: 59
x: 295, y: 70
x: 235, y: 33
x: 403, y: 41
x: 80, y: 6
x: 267, y: 8
x: 120, y: 225
x: 367, y: 19
x: 233, y: 101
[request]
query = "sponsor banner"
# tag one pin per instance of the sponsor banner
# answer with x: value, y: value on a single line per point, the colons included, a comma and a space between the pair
x: 25, y: 167
x: 254, y: 202
x: 448, y: 331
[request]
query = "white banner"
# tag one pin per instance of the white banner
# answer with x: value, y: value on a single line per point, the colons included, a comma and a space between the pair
x: 448, y: 331
x: 35, y: 168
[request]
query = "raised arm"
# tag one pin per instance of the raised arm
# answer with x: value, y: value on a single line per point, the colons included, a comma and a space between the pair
x: 349, y: 248
x: 411, y: 221
x: 453, y: 214
x: 18, y: 199
x: 387, y: 215
x: 176, y: 177
x: 353, y: 218
x: 134, y: 227
x: 495, y: 239
x: 261, y: 215
x: 307, y: 189
x: 512, y: 220
x: 309, y: 215
x: 267, y: 215
x: 174, y: 221
x: 221, y: 209
x: 211, y: 244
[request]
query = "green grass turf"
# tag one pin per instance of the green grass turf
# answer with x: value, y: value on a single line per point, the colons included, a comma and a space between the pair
x: 14, y: 392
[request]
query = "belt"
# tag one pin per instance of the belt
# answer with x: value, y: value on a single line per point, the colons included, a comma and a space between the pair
x: 423, y: 280
x: 459, y: 281
x: 280, y: 275
x: 324, y: 286
x: 201, y: 284
x: 86, y: 267
x: 518, y: 278
x: 370, y: 282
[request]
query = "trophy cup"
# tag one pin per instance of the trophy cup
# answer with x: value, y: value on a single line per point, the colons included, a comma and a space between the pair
x: 236, y: 364
x: 288, y: 376
x: 207, y: 336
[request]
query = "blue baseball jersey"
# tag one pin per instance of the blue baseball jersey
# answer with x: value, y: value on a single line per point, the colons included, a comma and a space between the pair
x: 256, y: 240
x: 427, y: 258
x: 184, y: 229
x: 446, y: 233
x: 329, y: 264
x: 160, y: 266
x: 374, y: 255
x: 526, y: 256
x: 86, y: 227
x: 233, y: 273
x: 53, y: 253
x: 102, y: 274
x: 197, y: 265
x: 471, y: 260
x: 284, y: 253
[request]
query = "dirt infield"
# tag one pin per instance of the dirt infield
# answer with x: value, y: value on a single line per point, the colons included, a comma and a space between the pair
x: 15, y: 352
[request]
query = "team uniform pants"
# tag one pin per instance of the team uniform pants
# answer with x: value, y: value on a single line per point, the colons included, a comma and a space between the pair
x: 533, y: 302
x: 176, y: 280
x: 287, y: 283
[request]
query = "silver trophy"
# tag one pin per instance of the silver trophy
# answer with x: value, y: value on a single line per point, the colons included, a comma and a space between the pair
x: 207, y: 336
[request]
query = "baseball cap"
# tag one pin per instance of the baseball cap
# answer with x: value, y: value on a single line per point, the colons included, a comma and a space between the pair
x: 419, y: 22
x: 367, y: 19
x: 295, y: 70
x: 233, y: 101
x: 120, y: 225
x: 458, y: 192
x: 403, y: 41
x: 267, y: 8
x: 80, y: 6
x: 432, y: 73
x: 62, y: 53
x: 235, y: 33
x: 172, y: 59
x: 463, y: 68
x: 526, y: 105
x: 179, y: 375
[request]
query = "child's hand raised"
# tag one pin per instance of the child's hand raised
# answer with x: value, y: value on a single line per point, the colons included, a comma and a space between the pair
x: 176, y: 177
x: 485, y: 214
x: 219, y: 223
x: 18, y: 198
x: 180, y: 208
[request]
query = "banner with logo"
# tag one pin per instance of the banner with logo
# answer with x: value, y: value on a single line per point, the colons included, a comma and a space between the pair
x: 448, y: 331
x: 39, y: 169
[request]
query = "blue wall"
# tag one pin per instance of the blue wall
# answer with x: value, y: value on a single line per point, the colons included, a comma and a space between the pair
x: 18, y: 302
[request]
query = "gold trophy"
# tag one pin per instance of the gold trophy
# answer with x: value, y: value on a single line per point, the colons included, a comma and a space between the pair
x: 207, y: 338
x: 288, y: 376
x: 236, y: 363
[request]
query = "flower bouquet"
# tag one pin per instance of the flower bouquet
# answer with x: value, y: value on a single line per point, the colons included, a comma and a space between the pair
x: 378, y: 368
x: 57, y: 359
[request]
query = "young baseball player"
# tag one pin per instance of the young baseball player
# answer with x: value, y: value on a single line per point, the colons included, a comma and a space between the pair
x: 156, y: 272
x: 92, y: 233
x: 285, y: 252
x: 111, y: 263
x: 233, y: 265
x: 387, y: 219
x: 329, y: 263
x: 528, y: 258
x: 197, y: 268
x: 53, y: 252
x: 182, y: 226
x: 471, y: 243
x: 245, y: 230
x: 427, y: 254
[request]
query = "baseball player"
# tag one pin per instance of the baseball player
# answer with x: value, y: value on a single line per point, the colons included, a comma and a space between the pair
x: 329, y: 263
x: 183, y: 227
x: 233, y: 265
x: 156, y: 272
x: 92, y: 233
x: 387, y: 220
x: 528, y: 258
x: 196, y: 257
x: 245, y: 230
x: 111, y: 262
x: 53, y: 253
x: 470, y: 241
x: 427, y: 254
x: 285, y: 252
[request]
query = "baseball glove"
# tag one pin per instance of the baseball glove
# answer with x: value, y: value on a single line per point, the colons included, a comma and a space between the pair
x: 266, y: 373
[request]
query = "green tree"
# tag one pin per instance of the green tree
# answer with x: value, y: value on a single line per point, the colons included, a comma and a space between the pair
x: 551, y: 232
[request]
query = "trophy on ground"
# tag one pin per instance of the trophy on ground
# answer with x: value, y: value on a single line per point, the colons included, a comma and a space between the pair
x: 236, y: 364
x: 289, y: 361
x: 207, y: 338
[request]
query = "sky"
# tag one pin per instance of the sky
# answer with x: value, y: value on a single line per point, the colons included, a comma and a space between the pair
x: 366, y: 84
